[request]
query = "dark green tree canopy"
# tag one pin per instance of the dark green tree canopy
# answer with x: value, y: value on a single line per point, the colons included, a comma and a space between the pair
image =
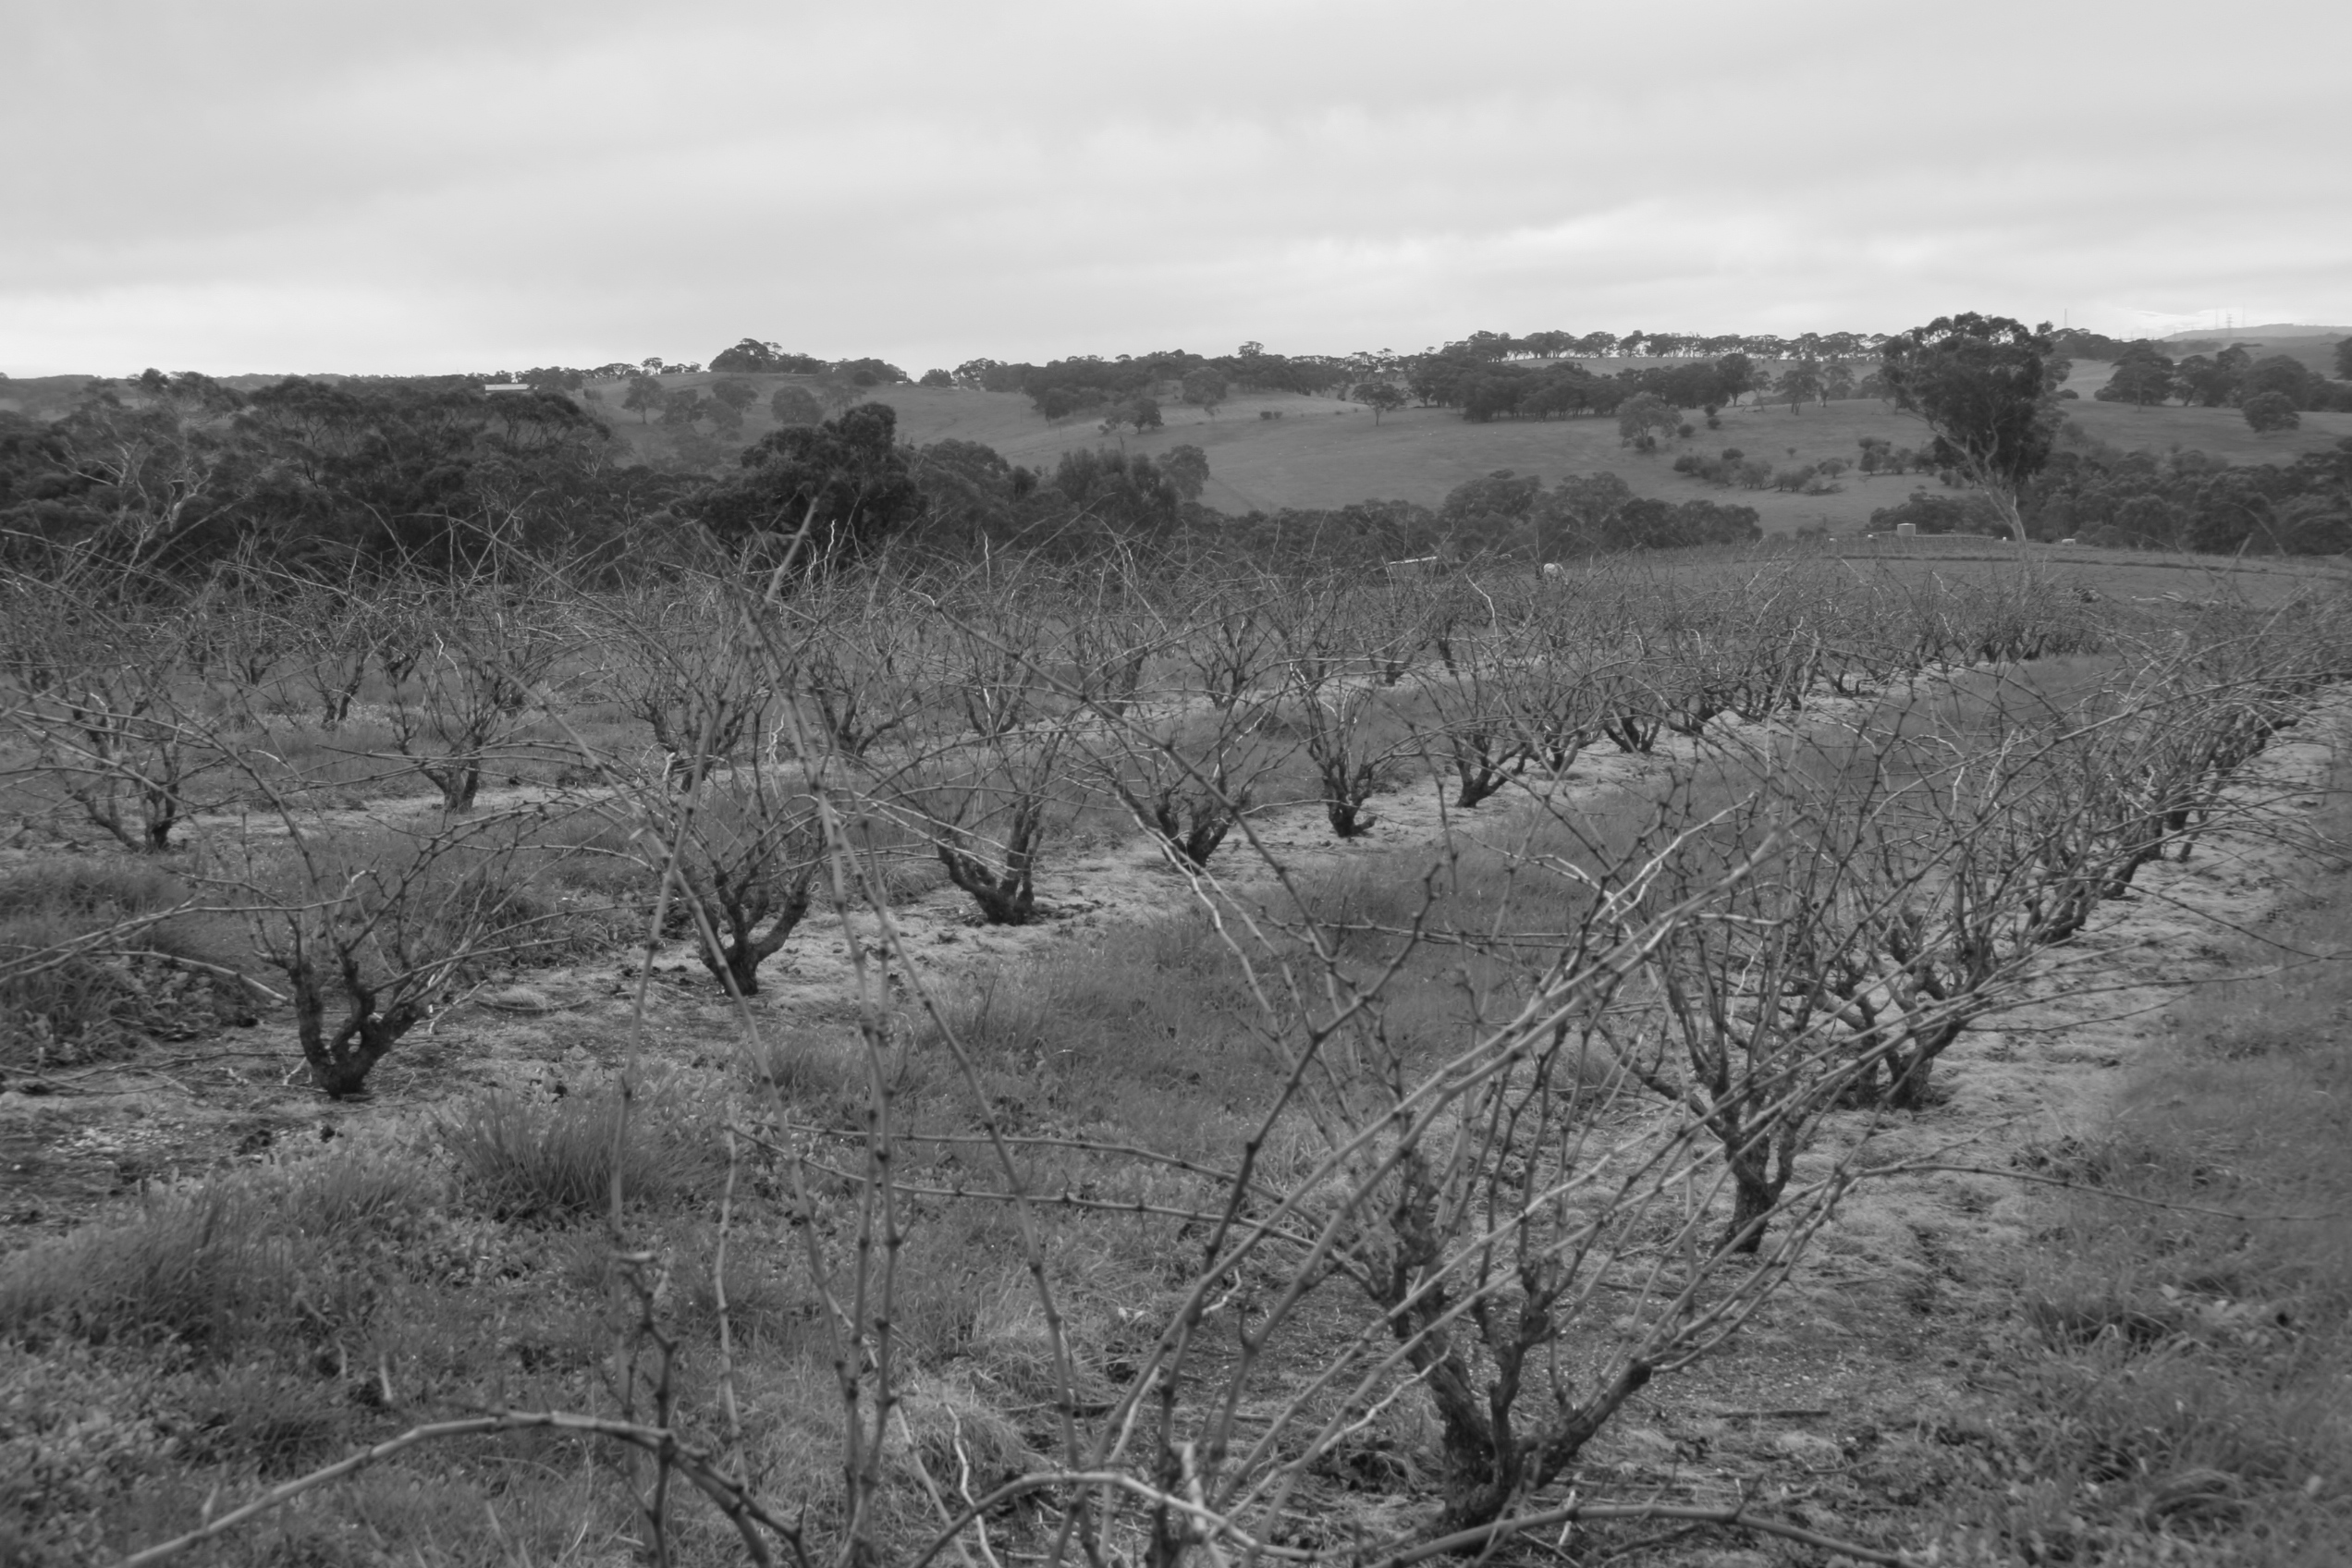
x: 755, y: 357
x: 1941, y: 514
x: 2267, y: 411
x: 2187, y: 499
x: 643, y: 398
x: 795, y: 405
x: 181, y: 473
x: 1800, y: 381
x: 1117, y: 493
x: 846, y: 481
x: 1205, y: 386
x: 2289, y: 377
x: 1593, y: 512
x: 869, y: 372
x: 970, y: 492
x: 1646, y: 413
x: 1380, y: 396
x: 1501, y: 494
x: 1186, y: 468
x: 2213, y: 381
x: 1982, y: 384
x: 1141, y: 411
x: 2141, y: 380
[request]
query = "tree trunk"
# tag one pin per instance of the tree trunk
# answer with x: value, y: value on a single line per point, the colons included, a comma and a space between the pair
x: 1753, y: 1200
x: 1909, y: 1090
x: 460, y: 780
x: 339, y: 1064
x: 742, y: 948
x: 161, y: 803
x: 739, y: 964
x: 1005, y: 898
x: 1193, y: 829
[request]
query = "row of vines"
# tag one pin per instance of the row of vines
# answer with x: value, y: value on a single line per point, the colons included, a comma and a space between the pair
x: 1534, y: 1106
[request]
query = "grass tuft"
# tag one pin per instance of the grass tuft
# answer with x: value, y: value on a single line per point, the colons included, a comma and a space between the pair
x: 558, y: 1161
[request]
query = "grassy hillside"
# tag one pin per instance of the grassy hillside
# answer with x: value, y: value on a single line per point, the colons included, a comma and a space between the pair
x: 2268, y: 332
x: 1273, y: 450
x: 1281, y: 449
x: 2312, y: 346
x: 42, y: 397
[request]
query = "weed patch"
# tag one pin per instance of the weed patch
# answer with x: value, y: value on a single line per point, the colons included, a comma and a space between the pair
x: 560, y: 1162
x: 2184, y: 1378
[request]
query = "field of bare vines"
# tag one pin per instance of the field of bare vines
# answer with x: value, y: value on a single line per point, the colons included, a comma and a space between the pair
x: 1395, y: 1032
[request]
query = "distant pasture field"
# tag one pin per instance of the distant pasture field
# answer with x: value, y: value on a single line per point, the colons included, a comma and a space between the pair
x: 1327, y: 452
x: 2222, y: 432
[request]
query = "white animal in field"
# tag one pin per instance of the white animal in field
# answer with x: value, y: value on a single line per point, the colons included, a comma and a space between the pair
x: 1420, y: 566
x: 1553, y: 568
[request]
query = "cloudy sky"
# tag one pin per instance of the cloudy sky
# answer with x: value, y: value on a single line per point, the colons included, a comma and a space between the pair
x: 331, y: 185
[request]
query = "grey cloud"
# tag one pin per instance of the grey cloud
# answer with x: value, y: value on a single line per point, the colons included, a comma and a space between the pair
x: 426, y: 185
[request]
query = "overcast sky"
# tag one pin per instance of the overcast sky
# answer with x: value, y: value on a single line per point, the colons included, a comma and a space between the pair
x: 323, y: 185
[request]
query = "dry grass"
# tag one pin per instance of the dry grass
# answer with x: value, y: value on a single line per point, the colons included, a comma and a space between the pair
x: 2184, y: 1376
x: 221, y: 1267
x: 561, y: 1161
x: 1144, y: 1032
x: 108, y: 1002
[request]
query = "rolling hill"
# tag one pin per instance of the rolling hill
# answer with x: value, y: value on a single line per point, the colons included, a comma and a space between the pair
x: 1272, y: 450
x: 1267, y: 452
x: 2270, y: 332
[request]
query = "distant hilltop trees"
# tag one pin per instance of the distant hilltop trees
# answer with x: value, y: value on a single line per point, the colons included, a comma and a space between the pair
x: 753, y: 357
x: 2231, y: 378
x: 1483, y: 374
x: 1489, y: 375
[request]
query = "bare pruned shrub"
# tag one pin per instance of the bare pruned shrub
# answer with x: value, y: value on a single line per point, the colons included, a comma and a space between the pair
x: 987, y: 809
x: 1106, y: 630
x: 240, y: 638
x: 2011, y: 818
x: 1632, y: 712
x: 746, y: 851
x: 483, y: 656
x: 1402, y: 620
x: 1557, y: 698
x: 1341, y: 719
x: 1474, y: 1184
x: 1487, y: 1142
x: 857, y: 659
x: 373, y: 933
x: 687, y: 663
x: 1234, y: 641
x: 1493, y: 710
x: 1187, y: 774
x: 114, y: 717
x: 1745, y: 1028
x: 336, y: 632
x: 990, y: 659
